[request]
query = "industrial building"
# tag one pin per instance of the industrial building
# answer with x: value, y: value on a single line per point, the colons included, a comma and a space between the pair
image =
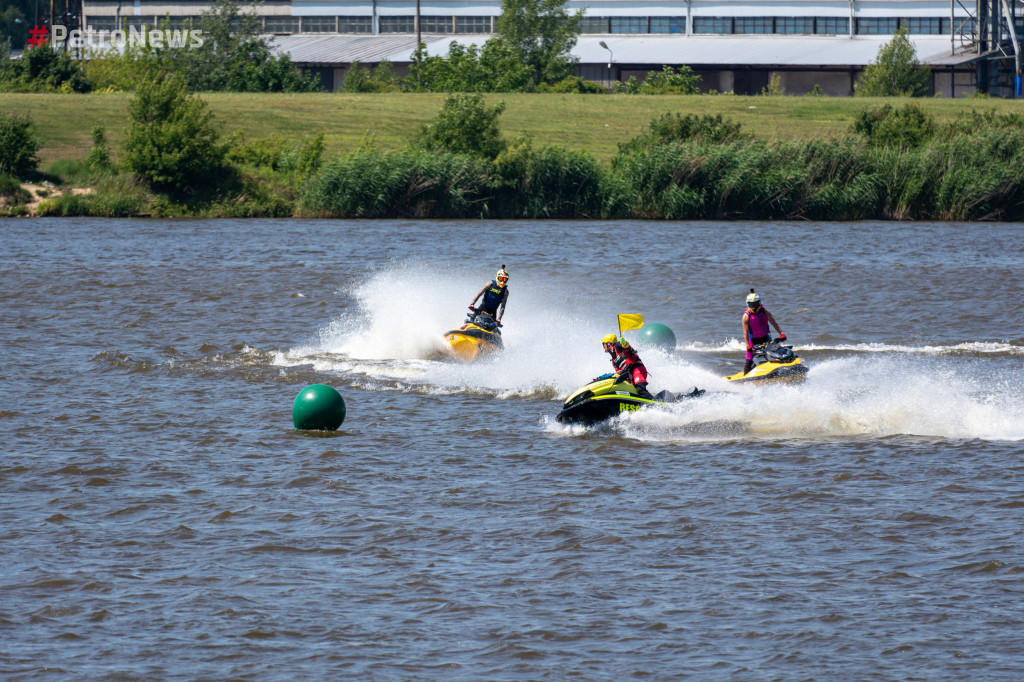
x: 734, y: 45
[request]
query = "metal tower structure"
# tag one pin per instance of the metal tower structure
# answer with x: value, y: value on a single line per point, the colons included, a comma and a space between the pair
x: 997, y: 29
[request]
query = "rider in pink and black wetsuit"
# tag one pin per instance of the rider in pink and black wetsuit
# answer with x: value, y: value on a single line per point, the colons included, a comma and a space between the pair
x: 755, y: 327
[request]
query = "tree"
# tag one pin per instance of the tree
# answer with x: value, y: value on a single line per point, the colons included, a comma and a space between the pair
x: 235, y: 56
x: 542, y: 33
x: 495, y: 67
x: 171, y: 140
x: 896, y: 71
x: 15, y: 19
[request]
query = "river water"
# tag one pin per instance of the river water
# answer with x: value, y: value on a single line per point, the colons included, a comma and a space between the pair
x: 162, y: 519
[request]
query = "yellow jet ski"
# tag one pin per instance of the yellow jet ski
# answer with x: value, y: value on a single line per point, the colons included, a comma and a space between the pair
x: 772, y: 361
x: 479, y: 335
x: 606, y: 397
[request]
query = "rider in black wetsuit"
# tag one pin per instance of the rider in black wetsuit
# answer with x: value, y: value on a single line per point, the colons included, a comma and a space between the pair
x: 495, y: 296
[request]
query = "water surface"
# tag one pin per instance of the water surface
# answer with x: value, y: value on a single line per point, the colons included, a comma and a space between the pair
x: 161, y: 519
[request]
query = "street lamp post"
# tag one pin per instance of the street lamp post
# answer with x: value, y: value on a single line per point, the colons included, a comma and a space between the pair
x: 611, y: 58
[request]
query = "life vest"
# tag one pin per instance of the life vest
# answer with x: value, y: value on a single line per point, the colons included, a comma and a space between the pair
x: 493, y: 297
x: 626, y: 359
x: 757, y: 323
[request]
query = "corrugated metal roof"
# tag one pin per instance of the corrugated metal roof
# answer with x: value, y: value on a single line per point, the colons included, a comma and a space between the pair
x: 632, y: 49
x: 746, y: 50
x: 321, y: 49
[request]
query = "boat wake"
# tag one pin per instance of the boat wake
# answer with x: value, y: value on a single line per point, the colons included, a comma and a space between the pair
x: 390, y: 338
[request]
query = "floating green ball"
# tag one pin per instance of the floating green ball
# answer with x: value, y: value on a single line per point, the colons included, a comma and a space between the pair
x: 318, y: 408
x: 656, y: 335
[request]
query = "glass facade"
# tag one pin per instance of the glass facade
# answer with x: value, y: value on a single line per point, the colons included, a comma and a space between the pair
x: 473, y: 25
x: 712, y: 25
x: 281, y: 24
x: 397, y: 24
x: 594, y: 25
x: 803, y: 25
x: 629, y: 25
x: 753, y: 25
x: 436, y: 24
x: 875, y: 26
x: 832, y: 26
x: 319, y: 24
x: 668, y: 24
x: 355, y: 25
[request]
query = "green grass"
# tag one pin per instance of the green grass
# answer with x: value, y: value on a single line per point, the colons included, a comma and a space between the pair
x: 595, y: 123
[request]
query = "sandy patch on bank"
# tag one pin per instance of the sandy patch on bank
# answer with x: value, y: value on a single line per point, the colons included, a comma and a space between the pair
x: 47, y: 190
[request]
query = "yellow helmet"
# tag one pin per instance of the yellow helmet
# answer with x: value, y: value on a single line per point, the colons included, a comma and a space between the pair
x: 502, y: 277
x: 608, y: 338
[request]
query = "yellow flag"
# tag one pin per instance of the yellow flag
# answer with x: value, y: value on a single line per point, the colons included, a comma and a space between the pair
x: 630, y: 321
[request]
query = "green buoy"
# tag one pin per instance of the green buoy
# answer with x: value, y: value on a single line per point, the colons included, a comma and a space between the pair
x: 656, y: 335
x: 318, y: 408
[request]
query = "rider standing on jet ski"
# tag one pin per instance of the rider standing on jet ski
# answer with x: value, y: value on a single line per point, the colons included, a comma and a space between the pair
x: 627, y: 364
x: 495, y: 296
x: 755, y: 327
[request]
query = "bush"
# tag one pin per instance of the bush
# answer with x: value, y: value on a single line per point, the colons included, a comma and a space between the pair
x: 411, y: 183
x: 171, y: 140
x: 381, y: 79
x: 669, y: 128
x: 465, y: 125
x: 551, y: 183
x: 574, y: 85
x: 99, y: 154
x: 43, y: 69
x: 906, y: 127
x: 11, y: 190
x: 18, y: 145
x: 670, y: 81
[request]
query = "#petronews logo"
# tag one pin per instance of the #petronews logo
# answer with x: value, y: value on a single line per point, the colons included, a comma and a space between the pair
x: 135, y: 36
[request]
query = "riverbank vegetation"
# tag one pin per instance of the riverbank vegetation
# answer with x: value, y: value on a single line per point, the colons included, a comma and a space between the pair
x: 884, y: 159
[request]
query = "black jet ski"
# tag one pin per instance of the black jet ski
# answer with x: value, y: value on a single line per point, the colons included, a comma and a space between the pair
x: 480, y: 335
x: 606, y: 397
x: 772, y: 361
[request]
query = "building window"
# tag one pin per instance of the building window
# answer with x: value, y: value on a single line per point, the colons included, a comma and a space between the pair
x: 436, y: 24
x: 877, y: 26
x: 831, y: 26
x: 629, y: 24
x: 794, y: 25
x: 668, y: 24
x: 594, y: 25
x: 964, y: 26
x: 319, y: 24
x: 752, y: 25
x: 101, y: 23
x: 398, y: 24
x: 472, y: 24
x: 181, y: 22
x: 280, y: 24
x: 925, y: 26
x: 355, y: 25
x: 712, y: 24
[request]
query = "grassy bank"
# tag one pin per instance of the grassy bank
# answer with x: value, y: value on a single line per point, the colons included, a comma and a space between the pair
x: 770, y: 158
x: 593, y: 123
